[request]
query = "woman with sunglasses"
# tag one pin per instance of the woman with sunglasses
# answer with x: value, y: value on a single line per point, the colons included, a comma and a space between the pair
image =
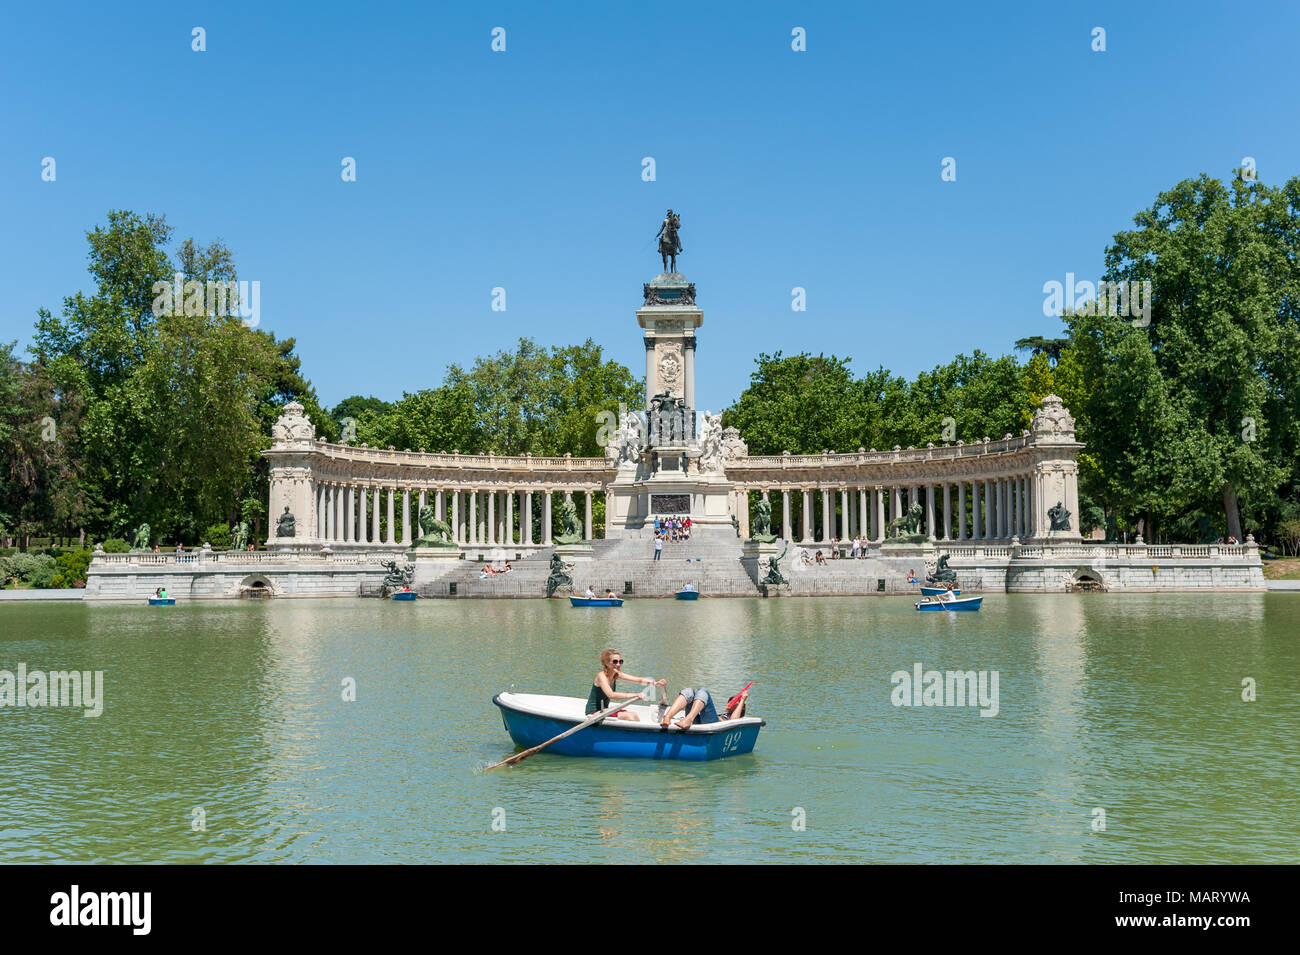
x: 604, y: 688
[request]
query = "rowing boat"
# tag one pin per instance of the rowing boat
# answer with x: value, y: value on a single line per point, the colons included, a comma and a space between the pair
x: 532, y: 719
x: 937, y: 591
x: 162, y: 601
x: 404, y: 595
x: 962, y: 603
x: 596, y: 601
x: 687, y: 594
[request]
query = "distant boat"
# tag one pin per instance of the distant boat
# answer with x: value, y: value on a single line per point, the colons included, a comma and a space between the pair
x: 162, y: 601
x: 403, y: 595
x: 531, y: 719
x: 963, y: 603
x: 937, y: 591
x: 596, y: 601
x: 687, y: 593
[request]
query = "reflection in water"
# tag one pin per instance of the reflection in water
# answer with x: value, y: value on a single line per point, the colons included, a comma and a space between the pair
x: 1130, y: 702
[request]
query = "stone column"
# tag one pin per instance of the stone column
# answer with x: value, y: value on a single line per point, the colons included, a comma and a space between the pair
x: 961, y: 510
x: 688, y: 382
x: 828, y: 514
x: 846, y: 517
x: 420, y: 504
x: 785, y: 515
x: 546, y: 517
x: 929, y: 511
x: 362, y: 513
x: 510, y: 518
x: 975, y: 530
x: 406, y: 517
x: 590, y: 492
x: 878, y: 520
x: 897, y: 502
x: 455, y: 516
x: 391, y: 537
x: 329, y: 513
x: 374, y: 516
x: 1010, y: 511
x: 320, y: 512
x: 863, y: 518
x: 649, y: 369
x: 439, y: 509
x: 526, y: 532
x: 947, y: 511
x: 471, y: 519
x: 491, y: 517
x: 348, y: 507
x: 988, y: 509
x: 807, y: 516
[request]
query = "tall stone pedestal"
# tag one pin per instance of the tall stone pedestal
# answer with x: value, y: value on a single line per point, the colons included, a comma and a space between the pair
x: 431, y: 563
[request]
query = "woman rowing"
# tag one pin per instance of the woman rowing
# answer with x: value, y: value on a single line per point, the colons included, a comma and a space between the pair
x: 604, y: 688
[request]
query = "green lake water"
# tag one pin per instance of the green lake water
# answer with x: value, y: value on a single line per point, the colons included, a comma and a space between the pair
x: 1130, y: 703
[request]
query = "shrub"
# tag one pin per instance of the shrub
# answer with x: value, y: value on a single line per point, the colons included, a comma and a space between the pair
x: 35, y: 570
x: 115, y: 545
x: 71, y: 569
x: 218, y: 535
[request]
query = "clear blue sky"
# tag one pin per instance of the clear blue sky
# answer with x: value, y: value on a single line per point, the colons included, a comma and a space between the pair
x: 522, y: 169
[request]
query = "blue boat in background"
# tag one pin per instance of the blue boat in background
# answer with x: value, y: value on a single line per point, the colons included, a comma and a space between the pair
x: 688, y: 592
x: 404, y: 595
x: 595, y: 601
x: 937, y: 591
x: 162, y: 601
x: 532, y: 719
x: 962, y: 603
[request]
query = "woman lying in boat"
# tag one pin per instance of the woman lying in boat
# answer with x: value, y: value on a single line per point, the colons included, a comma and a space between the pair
x: 604, y: 688
x: 701, y: 708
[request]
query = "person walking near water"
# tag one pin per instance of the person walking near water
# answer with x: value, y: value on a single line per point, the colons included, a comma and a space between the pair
x: 604, y: 687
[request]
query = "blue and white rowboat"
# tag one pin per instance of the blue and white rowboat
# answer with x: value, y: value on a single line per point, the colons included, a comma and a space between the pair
x: 404, y: 595
x: 162, y: 601
x: 937, y: 591
x: 532, y: 719
x: 685, y: 594
x: 963, y: 603
x: 595, y: 601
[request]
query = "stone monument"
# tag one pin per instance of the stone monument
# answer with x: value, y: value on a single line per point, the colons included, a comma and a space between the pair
x: 675, y: 468
x: 433, y: 554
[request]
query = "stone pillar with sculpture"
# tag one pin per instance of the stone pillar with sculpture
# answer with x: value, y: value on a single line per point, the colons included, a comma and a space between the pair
x: 291, y: 512
x: 1054, y: 484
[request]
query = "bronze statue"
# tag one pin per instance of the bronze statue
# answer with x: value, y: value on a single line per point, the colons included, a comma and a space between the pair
x: 570, y: 532
x: 669, y: 242
x: 1059, y: 516
x: 287, y: 525
x: 774, y: 575
x: 396, y: 578
x: 559, y: 575
x: 763, y: 521
x: 436, y: 533
x: 942, y: 573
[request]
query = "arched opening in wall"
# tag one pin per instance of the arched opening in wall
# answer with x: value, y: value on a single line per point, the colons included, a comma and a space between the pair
x: 256, y: 588
x: 1085, y: 582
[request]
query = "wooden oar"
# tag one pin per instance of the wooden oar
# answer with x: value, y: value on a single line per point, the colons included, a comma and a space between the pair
x: 594, y: 718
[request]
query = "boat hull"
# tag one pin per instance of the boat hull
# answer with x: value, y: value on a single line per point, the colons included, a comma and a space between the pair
x: 529, y: 725
x: 407, y: 595
x: 595, y: 602
x: 162, y: 601
x: 687, y: 595
x: 965, y: 603
x: 936, y: 591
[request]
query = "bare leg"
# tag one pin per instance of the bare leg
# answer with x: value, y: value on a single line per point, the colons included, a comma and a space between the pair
x: 679, y: 704
x: 686, y: 721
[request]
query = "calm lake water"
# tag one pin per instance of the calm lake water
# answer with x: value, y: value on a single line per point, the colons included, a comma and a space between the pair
x: 1131, y: 703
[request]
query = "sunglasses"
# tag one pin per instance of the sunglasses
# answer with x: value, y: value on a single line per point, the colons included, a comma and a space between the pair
x: 615, y: 662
